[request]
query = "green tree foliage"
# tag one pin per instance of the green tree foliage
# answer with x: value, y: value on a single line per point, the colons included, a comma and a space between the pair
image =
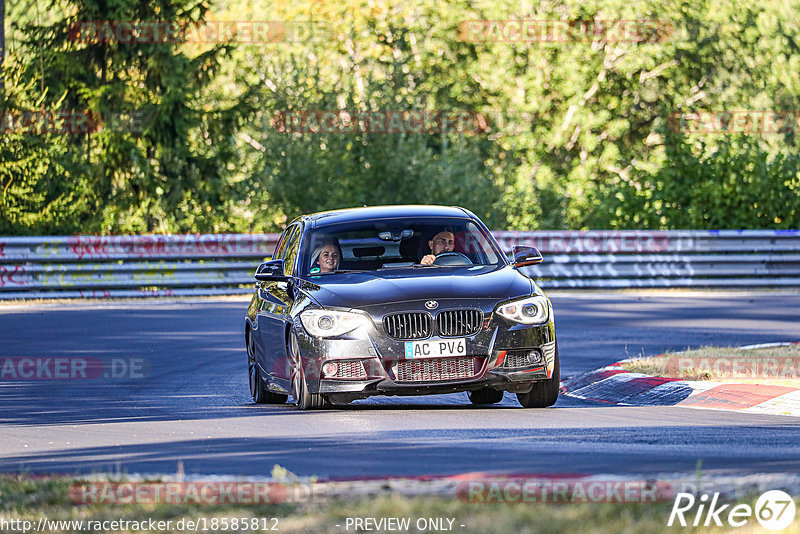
x: 581, y: 133
x: 159, y: 158
x: 313, y: 171
x: 599, y: 151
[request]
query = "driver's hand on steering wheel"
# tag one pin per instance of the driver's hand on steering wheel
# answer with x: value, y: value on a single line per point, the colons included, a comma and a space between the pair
x: 428, y: 259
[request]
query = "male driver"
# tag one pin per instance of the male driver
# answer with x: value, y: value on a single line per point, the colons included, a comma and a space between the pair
x: 442, y: 242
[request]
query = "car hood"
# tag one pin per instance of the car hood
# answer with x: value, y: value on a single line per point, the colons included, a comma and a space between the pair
x: 366, y: 289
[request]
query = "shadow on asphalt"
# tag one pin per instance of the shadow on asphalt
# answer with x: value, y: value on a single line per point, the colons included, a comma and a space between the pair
x: 37, y: 403
x: 198, y: 363
x: 426, y: 452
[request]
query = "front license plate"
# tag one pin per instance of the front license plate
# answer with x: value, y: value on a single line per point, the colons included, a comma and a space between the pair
x: 436, y: 349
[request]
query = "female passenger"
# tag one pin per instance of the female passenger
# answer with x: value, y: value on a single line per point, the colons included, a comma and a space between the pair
x: 326, y: 257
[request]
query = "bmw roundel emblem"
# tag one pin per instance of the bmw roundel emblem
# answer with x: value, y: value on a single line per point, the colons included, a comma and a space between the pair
x: 431, y: 304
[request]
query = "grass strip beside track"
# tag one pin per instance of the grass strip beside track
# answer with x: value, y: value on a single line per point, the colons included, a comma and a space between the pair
x: 27, y: 498
x: 778, y: 365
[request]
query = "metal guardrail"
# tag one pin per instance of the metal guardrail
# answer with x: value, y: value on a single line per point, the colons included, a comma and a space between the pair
x: 130, y: 266
x: 219, y: 264
x: 663, y: 259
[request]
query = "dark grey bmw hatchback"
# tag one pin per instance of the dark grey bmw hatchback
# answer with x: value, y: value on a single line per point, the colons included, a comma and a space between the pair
x: 398, y: 300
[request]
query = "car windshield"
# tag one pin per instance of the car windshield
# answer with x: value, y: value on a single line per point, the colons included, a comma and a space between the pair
x: 373, y: 245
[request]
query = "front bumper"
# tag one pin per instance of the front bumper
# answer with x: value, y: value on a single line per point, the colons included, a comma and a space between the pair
x: 376, y: 365
x: 514, y: 380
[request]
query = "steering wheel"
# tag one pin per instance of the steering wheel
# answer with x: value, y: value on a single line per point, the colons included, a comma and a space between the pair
x: 452, y: 258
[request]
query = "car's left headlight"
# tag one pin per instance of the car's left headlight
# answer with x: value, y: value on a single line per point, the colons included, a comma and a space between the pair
x: 330, y: 323
x: 530, y: 310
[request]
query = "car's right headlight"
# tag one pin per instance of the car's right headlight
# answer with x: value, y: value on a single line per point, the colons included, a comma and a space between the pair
x: 330, y: 323
x: 530, y: 310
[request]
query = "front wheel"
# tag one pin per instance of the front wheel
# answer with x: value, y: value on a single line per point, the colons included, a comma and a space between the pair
x: 303, y: 399
x: 544, y: 392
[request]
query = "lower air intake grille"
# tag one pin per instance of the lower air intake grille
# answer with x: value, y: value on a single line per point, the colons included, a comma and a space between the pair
x: 435, y: 369
x: 521, y: 358
x: 350, y: 369
x: 408, y: 325
x: 516, y: 359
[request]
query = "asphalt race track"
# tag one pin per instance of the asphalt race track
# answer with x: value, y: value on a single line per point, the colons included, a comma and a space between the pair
x: 193, y: 405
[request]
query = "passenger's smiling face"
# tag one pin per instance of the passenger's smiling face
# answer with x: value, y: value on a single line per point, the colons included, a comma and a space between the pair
x: 328, y: 259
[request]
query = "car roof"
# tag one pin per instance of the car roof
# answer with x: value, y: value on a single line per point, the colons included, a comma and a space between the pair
x: 325, y: 218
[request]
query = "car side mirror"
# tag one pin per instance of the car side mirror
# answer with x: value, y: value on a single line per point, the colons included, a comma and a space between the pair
x: 524, y: 256
x: 270, y: 271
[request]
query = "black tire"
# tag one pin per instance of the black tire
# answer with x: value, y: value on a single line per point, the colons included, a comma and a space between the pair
x: 303, y: 399
x: 485, y: 396
x: 258, y: 388
x: 544, y: 392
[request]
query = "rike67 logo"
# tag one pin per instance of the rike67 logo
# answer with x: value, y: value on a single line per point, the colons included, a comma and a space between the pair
x: 774, y: 510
